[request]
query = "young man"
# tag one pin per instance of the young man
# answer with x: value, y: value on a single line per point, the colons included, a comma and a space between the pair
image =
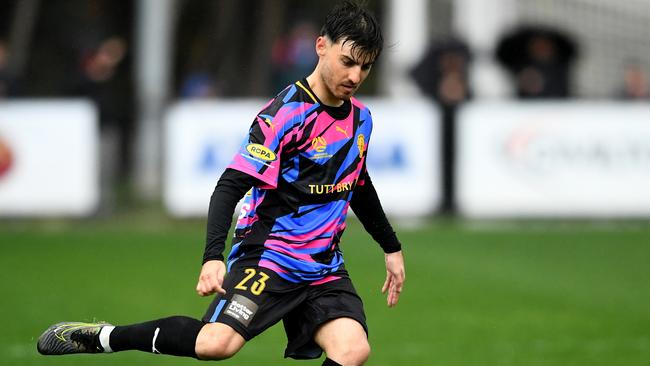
x: 303, y: 166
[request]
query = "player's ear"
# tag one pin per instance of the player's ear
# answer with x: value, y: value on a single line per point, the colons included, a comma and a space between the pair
x: 321, y: 45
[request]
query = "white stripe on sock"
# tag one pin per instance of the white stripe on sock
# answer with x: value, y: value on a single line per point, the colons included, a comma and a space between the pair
x: 153, y: 343
x: 104, y: 336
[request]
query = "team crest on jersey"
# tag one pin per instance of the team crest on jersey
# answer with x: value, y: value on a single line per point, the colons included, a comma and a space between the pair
x: 361, y: 144
x: 319, y: 144
x: 261, y: 152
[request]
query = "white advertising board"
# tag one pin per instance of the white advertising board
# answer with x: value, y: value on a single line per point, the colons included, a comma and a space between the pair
x: 202, y: 137
x: 554, y: 159
x: 404, y: 155
x: 48, y: 158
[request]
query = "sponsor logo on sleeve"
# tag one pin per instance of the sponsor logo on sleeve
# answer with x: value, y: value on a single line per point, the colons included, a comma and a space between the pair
x: 242, y: 309
x: 261, y: 152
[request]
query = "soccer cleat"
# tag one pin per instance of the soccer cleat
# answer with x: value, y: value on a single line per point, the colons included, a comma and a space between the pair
x: 71, y: 337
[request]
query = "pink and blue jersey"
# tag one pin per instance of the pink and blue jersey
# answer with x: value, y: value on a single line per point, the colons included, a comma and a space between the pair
x: 309, y: 158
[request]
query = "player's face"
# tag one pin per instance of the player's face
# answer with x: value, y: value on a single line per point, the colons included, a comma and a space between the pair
x: 343, y: 69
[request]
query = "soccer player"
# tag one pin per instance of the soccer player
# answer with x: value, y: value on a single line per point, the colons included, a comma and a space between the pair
x: 302, y: 165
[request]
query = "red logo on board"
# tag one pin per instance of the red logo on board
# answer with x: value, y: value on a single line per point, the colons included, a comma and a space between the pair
x: 6, y: 158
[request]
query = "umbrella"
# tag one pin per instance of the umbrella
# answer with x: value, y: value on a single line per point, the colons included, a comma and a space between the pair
x: 515, y: 50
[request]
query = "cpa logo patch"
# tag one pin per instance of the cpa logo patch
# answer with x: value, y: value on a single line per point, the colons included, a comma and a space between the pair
x: 261, y: 152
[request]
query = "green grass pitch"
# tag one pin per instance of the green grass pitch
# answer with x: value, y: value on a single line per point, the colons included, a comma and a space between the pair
x: 548, y: 293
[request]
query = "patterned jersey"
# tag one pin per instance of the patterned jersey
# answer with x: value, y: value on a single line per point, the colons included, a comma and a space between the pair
x: 310, y: 157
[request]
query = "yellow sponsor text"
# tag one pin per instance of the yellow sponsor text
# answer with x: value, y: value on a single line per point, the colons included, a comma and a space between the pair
x: 331, y: 188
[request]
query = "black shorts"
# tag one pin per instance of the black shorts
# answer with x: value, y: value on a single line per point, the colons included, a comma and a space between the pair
x: 257, y: 298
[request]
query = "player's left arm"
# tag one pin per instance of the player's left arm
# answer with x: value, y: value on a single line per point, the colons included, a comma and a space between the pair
x: 366, y: 205
x: 395, y: 276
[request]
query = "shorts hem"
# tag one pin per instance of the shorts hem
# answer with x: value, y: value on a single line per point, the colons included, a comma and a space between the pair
x: 295, y: 353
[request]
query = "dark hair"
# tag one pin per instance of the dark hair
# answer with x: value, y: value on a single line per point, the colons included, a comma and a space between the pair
x: 351, y: 22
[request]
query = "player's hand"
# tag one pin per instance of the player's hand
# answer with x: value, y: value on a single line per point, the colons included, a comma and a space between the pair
x: 211, y: 278
x: 395, y: 276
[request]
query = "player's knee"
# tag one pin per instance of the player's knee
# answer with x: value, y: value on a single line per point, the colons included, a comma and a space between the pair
x: 360, y: 353
x: 353, y: 353
x: 217, y: 343
x: 215, y: 351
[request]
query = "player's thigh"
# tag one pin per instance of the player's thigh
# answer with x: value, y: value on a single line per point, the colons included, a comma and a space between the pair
x: 255, y: 299
x: 331, y: 320
x: 343, y: 340
x: 338, y: 332
x: 218, y: 341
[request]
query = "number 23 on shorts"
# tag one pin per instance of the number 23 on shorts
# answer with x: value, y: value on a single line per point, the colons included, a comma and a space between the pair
x: 258, y: 285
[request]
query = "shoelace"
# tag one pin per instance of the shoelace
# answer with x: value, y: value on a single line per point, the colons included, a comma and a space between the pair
x: 86, y: 339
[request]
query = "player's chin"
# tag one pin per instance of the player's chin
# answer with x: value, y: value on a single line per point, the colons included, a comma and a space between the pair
x: 346, y: 93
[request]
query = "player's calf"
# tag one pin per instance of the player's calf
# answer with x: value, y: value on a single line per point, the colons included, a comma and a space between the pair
x: 175, y: 335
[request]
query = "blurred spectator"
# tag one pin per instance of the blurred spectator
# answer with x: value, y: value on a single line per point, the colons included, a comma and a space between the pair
x: 635, y: 82
x: 442, y: 75
x: 100, y: 77
x: 539, y: 60
x: 293, y: 56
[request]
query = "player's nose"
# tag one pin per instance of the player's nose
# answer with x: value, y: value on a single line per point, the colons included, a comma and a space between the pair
x: 355, y: 75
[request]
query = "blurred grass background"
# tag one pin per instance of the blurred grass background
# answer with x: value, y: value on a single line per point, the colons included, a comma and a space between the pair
x: 524, y: 293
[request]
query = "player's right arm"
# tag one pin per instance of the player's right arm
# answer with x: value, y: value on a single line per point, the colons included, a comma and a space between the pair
x: 256, y: 164
x: 211, y: 278
x: 232, y: 186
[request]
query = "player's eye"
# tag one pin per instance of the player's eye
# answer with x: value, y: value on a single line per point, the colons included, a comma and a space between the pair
x: 366, y: 67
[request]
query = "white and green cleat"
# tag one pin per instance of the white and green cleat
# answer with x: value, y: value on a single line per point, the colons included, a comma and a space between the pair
x: 71, y: 337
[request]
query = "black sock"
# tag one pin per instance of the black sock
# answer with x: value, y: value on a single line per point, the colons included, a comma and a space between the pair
x: 329, y: 362
x: 175, y: 335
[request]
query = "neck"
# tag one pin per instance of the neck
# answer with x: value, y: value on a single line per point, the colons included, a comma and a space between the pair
x: 319, y: 88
